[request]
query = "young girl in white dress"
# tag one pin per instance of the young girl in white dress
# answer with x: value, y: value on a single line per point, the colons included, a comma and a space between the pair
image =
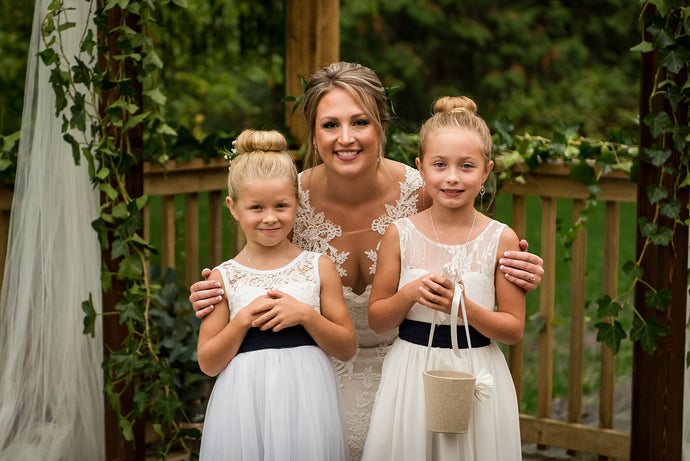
x: 349, y: 196
x: 277, y: 395
x: 409, y: 289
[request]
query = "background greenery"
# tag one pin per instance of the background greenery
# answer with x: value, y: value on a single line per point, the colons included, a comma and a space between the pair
x: 540, y: 65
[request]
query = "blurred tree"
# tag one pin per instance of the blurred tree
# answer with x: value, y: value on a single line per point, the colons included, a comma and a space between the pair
x: 15, y: 34
x: 223, y: 64
x: 535, y: 63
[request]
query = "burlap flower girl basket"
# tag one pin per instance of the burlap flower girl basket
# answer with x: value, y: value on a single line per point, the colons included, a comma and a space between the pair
x: 449, y: 394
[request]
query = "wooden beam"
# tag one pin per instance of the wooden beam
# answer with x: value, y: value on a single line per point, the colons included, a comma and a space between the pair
x: 657, y: 388
x: 312, y: 41
x: 580, y: 437
x: 113, y: 332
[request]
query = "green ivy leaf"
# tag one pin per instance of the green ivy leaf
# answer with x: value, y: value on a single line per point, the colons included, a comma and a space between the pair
x: 642, y: 47
x: 674, y: 59
x: 108, y: 190
x: 89, y: 317
x: 662, y: 237
x: 120, y: 248
x: 656, y: 193
x: 607, y: 308
x: 128, y: 311
x: 671, y: 208
x: 657, y: 156
x: 130, y: 268
x: 657, y: 122
x: 156, y: 96
x: 583, y: 171
x: 140, y: 400
x: 75, y: 147
x: 658, y: 299
x: 182, y: 3
x: 166, y: 406
x: 647, y: 332
x: 647, y: 228
x: 125, y: 428
x: 611, y: 333
x: 119, y: 211
x: 632, y: 270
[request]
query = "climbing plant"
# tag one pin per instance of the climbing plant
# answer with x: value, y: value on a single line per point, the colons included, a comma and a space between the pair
x: 669, y: 29
x: 104, y: 94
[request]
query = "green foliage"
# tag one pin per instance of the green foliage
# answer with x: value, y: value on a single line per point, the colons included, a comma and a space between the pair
x: 149, y: 362
x: 533, y: 63
x: 223, y: 64
x: 15, y: 35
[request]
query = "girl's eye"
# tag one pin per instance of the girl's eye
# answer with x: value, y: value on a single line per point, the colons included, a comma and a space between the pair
x: 439, y: 164
x: 328, y: 125
x: 467, y: 165
x: 361, y: 122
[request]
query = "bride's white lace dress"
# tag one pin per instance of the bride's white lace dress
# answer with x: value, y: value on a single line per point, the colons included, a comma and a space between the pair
x: 313, y: 231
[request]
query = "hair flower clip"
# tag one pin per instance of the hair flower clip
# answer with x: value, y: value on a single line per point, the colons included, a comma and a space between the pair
x: 232, y: 153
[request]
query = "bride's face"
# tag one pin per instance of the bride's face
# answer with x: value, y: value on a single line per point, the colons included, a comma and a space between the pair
x: 345, y: 137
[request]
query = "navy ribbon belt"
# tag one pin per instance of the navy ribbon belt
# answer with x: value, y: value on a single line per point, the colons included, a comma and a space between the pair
x: 256, y: 340
x: 418, y: 333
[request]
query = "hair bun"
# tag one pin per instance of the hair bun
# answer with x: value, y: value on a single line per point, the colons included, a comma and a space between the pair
x: 454, y: 104
x: 260, y: 141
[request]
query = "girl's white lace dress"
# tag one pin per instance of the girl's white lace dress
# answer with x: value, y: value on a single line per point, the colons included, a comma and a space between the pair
x: 397, y: 430
x: 279, y: 403
x: 359, y: 377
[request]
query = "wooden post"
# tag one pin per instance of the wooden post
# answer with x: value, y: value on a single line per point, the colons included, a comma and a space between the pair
x: 113, y: 332
x: 312, y: 41
x: 657, y: 392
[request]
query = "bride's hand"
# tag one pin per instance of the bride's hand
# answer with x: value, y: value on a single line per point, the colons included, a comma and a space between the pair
x: 205, y: 294
x: 522, y: 268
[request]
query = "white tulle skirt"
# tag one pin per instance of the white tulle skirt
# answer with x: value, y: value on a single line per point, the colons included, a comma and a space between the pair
x: 276, y: 404
x: 397, y: 430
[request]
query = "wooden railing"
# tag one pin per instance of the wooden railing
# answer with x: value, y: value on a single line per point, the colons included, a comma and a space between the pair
x: 548, y: 182
x: 551, y: 182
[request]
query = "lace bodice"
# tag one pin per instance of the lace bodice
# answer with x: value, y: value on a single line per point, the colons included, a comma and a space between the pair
x: 313, y: 231
x: 299, y: 278
x: 476, y: 260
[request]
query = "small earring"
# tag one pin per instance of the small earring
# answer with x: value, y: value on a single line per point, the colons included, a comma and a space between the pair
x: 482, y: 191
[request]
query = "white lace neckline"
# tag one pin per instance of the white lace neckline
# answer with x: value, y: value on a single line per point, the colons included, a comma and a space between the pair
x: 269, y: 271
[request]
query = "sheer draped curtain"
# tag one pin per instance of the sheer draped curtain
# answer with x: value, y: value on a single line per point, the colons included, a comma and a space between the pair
x: 51, y: 398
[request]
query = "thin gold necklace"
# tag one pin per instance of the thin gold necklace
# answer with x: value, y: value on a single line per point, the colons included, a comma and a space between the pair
x: 246, y: 254
x: 433, y: 228
x: 450, y: 270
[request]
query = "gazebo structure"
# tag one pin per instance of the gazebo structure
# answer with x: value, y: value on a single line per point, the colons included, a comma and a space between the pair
x: 661, y: 399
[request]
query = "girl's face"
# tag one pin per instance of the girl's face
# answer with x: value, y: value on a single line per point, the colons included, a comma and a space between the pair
x: 265, y: 209
x: 345, y: 137
x: 454, y: 167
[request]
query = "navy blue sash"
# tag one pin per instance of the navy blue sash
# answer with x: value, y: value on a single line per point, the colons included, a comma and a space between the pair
x: 256, y: 339
x: 418, y: 333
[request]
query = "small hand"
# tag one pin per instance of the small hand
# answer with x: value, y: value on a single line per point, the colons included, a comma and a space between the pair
x: 437, y: 292
x: 522, y: 268
x: 205, y: 294
x: 283, y: 311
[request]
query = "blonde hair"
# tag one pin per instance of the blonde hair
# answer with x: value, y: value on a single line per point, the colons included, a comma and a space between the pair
x: 260, y: 155
x: 458, y: 112
x: 364, y: 87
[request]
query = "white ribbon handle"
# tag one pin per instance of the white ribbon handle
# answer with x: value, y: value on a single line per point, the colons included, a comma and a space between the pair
x: 484, y: 381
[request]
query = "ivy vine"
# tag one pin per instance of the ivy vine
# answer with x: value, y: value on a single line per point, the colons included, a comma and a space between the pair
x: 589, y: 159
x: 97, y: 99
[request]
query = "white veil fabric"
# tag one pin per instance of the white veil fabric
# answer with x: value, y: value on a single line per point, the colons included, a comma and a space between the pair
x: 51, y: 382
